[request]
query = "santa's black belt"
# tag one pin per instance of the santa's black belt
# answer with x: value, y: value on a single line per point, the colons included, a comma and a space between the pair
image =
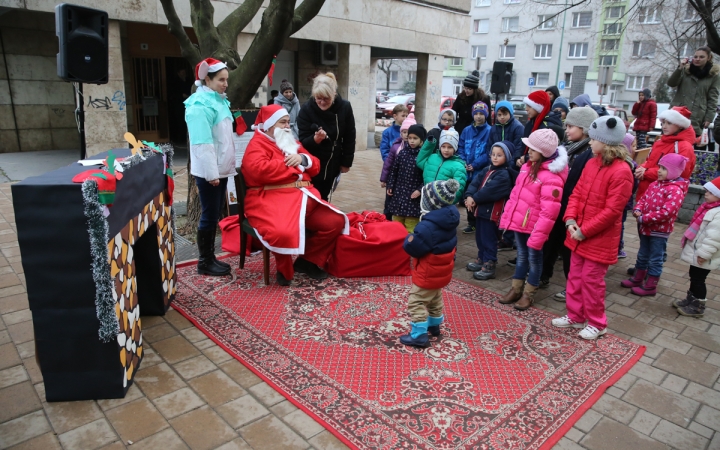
x: 297, y: 184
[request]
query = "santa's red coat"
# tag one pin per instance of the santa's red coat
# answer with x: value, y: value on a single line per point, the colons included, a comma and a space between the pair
x: 278, y: 215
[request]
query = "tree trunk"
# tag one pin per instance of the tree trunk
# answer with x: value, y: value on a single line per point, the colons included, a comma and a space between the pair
x: 193, y: 204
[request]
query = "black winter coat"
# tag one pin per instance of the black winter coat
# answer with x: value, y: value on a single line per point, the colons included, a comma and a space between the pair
x: 463, y: 107
x: 576, y: 167
x: 339, y: 124
x: 497, y: 187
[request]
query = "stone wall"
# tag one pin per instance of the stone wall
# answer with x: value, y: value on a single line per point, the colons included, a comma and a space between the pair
x: 36, y: 107
x: 694, y: 197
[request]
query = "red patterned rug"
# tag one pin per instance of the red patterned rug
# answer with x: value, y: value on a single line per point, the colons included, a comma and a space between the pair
x: 497, y: 378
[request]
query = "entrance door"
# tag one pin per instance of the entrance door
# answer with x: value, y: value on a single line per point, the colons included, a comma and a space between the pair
x: 150, y: 102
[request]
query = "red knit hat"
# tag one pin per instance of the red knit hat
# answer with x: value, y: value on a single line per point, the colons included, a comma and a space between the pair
x: 540, y: 102
x: 713, y: 187
x: 206, y: 66
x: 268, y: 116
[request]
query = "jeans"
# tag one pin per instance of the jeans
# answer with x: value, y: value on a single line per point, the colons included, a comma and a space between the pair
x: 697, y: 282
x: 650, y: 255
x: 554, y: 246
x: 529, y: 261
x: 486, y: 239
x: 211, y: 201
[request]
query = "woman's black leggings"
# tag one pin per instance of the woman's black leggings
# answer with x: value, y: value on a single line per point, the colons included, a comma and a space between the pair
x: 697, y: 282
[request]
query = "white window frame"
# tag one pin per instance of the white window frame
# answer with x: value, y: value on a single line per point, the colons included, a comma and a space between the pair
x: 457, y: 85
x: 577, y: 19
x: 507, y: 24
x: 477, y: 26
x: 454, y: 60
x: 476, y: 51
x: 511, y: 2
x: 616, y: 25
x: 393, y: 76
x: 547, y: 22
x: 482, y: 3
x: 545, y: 75
x: 649, y: 15
x: 691, y: 14
x: 503, y: 51
x: 573, y: 50
x: 543, y: 51
x: 631, y: 84
x: 568, y: 80
x: 641, y: 47
x: 688, y: 47
x: 612, y: 57
x: 412, y: 75
x: 614, y: 12
x: 616, y: 47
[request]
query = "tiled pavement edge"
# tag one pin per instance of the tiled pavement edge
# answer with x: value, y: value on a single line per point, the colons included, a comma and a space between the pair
x: 189, y: 393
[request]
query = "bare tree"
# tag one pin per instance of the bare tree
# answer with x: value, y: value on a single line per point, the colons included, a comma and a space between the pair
x: 385, y: 65
x: 709, y: 12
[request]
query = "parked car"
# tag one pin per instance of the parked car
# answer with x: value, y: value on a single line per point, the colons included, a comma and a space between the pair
x: 519, y: 111
x: 380, y: 98
x: 619, y: 112
x: 445, y: 102
x: 384, y: 109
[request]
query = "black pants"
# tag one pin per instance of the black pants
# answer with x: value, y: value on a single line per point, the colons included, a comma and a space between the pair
x: 554, y: 246
x: 324, y: 186
x: 697, y: 282
x: 471, y: 218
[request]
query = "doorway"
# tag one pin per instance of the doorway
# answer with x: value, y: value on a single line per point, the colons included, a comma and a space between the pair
x: 179, y: 81
x: 150, y: 105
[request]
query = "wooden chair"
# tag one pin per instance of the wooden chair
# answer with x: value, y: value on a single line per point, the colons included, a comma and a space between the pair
x: 246, y: 230
x: 641, y: 155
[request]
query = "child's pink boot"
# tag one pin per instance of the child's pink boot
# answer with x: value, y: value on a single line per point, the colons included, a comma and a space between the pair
x: 649, y: 288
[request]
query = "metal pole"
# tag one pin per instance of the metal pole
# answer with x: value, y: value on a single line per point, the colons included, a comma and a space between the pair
x: 12, y: 102
x: 81, y: 121
x: 560, y: 53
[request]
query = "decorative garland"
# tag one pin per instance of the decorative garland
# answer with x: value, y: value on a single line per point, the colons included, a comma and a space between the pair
x: 99, y: 237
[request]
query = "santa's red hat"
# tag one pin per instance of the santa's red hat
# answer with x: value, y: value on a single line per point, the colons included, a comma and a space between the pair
x: 268, y: 116
x: 678, y: 115
x: 540, y: 102
x: 206, y: 66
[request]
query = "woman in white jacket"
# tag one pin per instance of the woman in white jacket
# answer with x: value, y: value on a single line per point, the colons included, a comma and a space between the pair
x: 701, y: 249
x: 212, y: 155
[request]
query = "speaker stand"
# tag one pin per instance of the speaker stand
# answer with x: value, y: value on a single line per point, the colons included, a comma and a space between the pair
x: 80, y: 118
x: 497, y: 99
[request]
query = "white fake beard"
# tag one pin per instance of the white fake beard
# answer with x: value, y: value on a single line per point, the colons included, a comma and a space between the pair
x: 285, y: 140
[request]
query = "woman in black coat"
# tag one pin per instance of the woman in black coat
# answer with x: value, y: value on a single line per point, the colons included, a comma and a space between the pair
x: 464, y: 102
x: 326, y: 129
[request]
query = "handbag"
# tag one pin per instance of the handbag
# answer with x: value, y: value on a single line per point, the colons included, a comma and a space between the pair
x: 703, y: 139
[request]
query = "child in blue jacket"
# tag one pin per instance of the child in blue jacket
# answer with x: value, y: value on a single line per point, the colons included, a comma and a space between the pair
x: 474, y: 149
x: 507, y: 127
x: 391, y: 133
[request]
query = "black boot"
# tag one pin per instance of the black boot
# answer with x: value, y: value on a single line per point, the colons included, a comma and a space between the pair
x: 206, y: 263
x: 302, y: 265
x: 695, y: 309
x: 224, y: 265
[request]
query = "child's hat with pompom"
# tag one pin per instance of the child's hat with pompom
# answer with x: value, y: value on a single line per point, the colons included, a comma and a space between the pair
x: 439, y: 194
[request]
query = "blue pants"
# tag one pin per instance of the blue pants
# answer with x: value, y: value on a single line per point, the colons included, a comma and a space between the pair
x: 650, y: 254
x: 486, y: 239
x: 211, y: 201
x: 529, y: 261
x: 622, y: 231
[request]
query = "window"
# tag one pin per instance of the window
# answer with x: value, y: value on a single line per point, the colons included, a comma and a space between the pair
x: 578, y: 50
x: 507, y: 51
x: 541, y: 78
x: 457, y: 85
x: 393, y: 76
x: 637, y: 82
x: 608, y: 45
x: 543, y: 51
x: 568, y: 80
x: 511, y: 2
x: 479, y: 51
x: 547, y: 22
x: 582, y: 20
x: 650, y: 14
x: 644, y: 49
x: 691, y: 14
x: 510, y: 24
x: 614, y: 12
x: 456, y: 62
x: 612, y: 28
x: 687, y: 49
x: 412, y: 76
x: 481, y: 26
x: 482, y: 3
x: 608, y: 60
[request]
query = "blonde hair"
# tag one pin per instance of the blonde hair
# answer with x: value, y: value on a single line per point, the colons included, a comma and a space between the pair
x: 612, y: 152
x: 325, y: 85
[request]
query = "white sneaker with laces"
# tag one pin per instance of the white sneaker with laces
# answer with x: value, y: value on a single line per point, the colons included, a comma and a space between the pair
x: 566, y: 322
x: 591, y: 333
x: 560, y: 296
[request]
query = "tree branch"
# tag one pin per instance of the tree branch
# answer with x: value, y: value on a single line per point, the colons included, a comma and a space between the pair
x: 705, y: 9
x: 304, y: 14
x: 188, y: 50
x: 201, y: 14
x: 234, y: 23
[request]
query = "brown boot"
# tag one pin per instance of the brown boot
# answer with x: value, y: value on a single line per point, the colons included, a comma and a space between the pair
x: 514, y: 293
x: 527, y: 299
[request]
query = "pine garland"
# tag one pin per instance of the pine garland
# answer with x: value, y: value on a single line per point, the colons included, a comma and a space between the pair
x: 98, y: 232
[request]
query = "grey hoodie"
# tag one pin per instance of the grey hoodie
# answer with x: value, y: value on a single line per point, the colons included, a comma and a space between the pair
x: 293, y: 109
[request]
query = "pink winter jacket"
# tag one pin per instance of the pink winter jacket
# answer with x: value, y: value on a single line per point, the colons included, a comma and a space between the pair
x: 660, y: 206
x: 535, y: 204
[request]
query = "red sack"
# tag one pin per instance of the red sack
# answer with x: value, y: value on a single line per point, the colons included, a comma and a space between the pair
x: 231, y: 237
x: 373, y: 248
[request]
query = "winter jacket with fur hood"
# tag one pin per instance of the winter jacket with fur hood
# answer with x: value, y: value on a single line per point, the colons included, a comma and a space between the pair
x: 699, y: 95
x: 666, y: 144
x: 534, y: 204
x: 660, y: 206
x: 706, y: 244
x: 293, y: 109
x: 596, y: 206
x: 645, y: 113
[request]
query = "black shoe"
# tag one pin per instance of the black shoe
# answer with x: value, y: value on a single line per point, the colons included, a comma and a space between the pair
x: 504, y: 246
x: 474, y: 266
x: 206, y: 263
x: 217, y: 261
x: 469, y: 229
x: 544, y: 282
x: 302, y: 265
x: 281, y: 280
x: 512, y: 262
x: 631, y: 270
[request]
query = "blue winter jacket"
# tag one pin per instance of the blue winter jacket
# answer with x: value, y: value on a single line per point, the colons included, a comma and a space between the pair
x: 584, y: 100
x: 436, y: 233
x: 388, y: 137
x: 512, y: 131
x: 474, y: 147
x: 498, y: 186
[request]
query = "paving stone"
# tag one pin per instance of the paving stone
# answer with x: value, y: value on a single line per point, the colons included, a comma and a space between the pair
x: 158, y: 333
x: 644, y: 422
x: 715, y: 443
x: 18, y: 400
x: 203, y: 429
x: 26, y: 349
x: 217, y: 388
x: 47, y: 441
x: 672, y: 343
x: 92, y: 435
x: 33, y: 370
x: 205, y: 343
x: 9, y: 356
x: 151, y: 321
x: 283, y: 408
x: 23, y: 428
x: 626, y: 381
x: 193, y: 335
x: 66, y: 416
x: 13, y: 375
x: 714, y: 359
x: 651, y: 350
x: 21, y: 332
x: 241, y: 374
x: 328, y: 441
x: 175, y: 349
x: 701, y: 430
x: 615, y: 392
x: 635, y: 328
x: 136, y: 420
x: 178, y: 402
x: 271, y: 433
x: 674, y: 383
x: 158, y: 380
x: 698, y: 353
x: 167, y: 439
x: 17, y: 317
x: 133, y: 393
x: 217, y: 354
x: 177, y: 320
x: 13, y: 303
x: 574, y: 435
x: 242, y: 411
x: 661, y: 402
x: 305, y: 425
x: 609, y: 434
x: 686, y: 367
x: 150, y: 357
x: 692, y: 322
x: 678, y: 437
x: 566, y: 444
x: 624, y: 310
x: 710, y: 417
x: 648, y: 373
x: 266, y: 394
x: 671, y: 325
x: 614, y: 408
x: 235, y: 444
x: 194, y: 367
x: 703, y: 340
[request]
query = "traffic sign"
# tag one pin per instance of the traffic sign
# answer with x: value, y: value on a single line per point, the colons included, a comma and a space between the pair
x: 561, y: 84
x: 531, y: 81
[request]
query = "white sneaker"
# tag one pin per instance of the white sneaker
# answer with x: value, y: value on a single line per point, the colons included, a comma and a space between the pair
x: 566, y: 322
x: 591, y: 333
x: 560, y: 296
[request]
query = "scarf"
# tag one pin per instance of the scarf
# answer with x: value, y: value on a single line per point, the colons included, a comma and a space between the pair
x: 573, y: 147
x: 701, y: 72
x: 697, y: 219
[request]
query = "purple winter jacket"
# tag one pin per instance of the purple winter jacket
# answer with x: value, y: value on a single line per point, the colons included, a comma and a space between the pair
x: 387, y: 164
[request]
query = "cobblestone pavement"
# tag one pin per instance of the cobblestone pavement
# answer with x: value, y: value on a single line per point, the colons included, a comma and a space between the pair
x: 189, y: 393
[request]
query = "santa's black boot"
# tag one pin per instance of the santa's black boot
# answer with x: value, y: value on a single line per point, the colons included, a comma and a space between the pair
x: 206, y: 262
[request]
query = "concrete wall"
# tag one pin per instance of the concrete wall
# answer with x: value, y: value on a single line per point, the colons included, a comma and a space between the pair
x: 43, y: 104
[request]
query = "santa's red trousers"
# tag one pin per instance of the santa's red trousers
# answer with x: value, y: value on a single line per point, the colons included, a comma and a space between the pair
x: 323, y: 226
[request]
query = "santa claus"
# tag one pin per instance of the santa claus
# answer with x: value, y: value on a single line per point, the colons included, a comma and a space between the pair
x: 282, y: 205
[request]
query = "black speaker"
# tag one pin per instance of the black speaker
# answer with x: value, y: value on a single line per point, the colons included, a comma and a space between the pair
x: 501, y: 77
x: 83, y: 38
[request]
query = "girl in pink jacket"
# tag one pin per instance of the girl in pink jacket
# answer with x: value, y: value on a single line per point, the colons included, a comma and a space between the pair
x: 531, y: 211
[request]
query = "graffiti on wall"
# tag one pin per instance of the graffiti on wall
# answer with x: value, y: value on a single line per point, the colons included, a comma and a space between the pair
x: 106, y: 103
